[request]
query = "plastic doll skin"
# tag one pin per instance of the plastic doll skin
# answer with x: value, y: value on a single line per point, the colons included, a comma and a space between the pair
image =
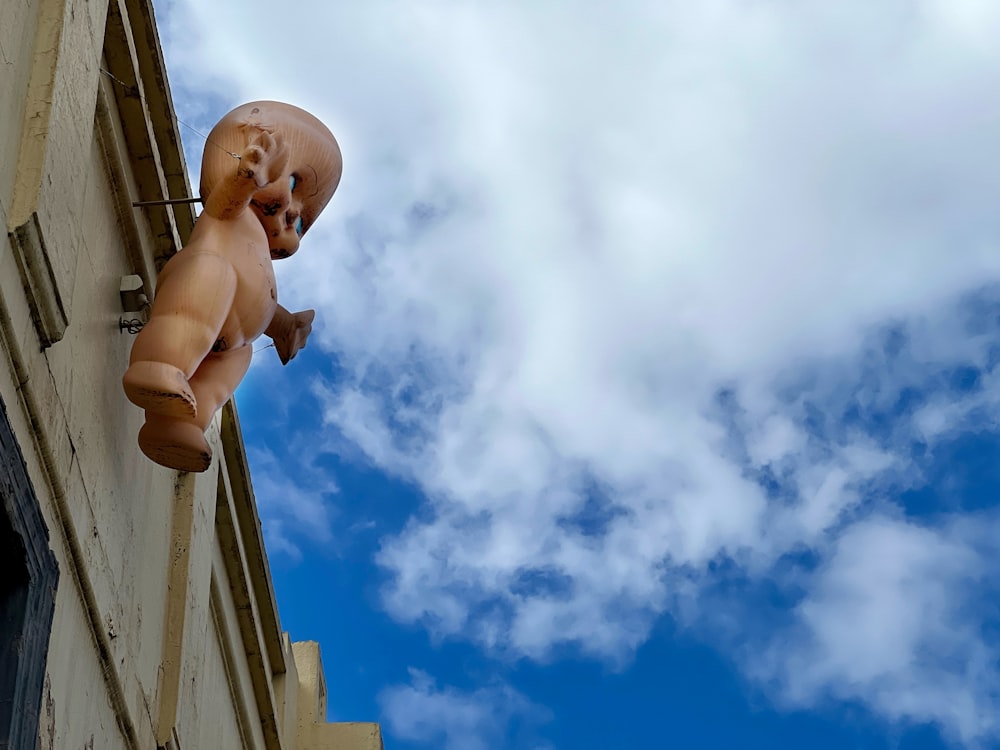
x: 218, y: 294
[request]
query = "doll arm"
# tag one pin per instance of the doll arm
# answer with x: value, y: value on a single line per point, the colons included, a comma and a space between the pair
x: 290, y: 331
x: 262, y: 162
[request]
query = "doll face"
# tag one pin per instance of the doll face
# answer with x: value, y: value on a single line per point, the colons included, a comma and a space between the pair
x: 287, y: 207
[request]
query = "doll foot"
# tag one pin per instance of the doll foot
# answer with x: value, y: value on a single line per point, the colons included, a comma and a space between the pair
x: 161, y: 389
x: 175, y: 444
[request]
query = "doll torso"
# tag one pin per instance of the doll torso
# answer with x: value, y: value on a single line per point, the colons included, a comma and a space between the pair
x: 242, y: 242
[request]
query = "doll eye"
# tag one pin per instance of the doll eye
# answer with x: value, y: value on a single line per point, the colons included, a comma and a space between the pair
x: 292, y: 182
x: 298, y: 226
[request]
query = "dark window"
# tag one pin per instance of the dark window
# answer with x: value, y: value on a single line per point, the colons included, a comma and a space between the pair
x: 28, y: 576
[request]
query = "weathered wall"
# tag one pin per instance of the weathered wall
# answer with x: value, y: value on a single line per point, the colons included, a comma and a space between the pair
x: 165, y: 631
x: 314, y: 732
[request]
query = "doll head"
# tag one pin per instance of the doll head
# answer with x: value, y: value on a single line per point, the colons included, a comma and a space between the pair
x: 287, y: 206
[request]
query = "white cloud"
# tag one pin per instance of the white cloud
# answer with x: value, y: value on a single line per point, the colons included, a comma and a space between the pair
x: 453, y: 719
x: 633, y: 291
x: 892, y: 620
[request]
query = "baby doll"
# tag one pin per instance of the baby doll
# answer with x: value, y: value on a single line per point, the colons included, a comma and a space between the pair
x: 269, y: 169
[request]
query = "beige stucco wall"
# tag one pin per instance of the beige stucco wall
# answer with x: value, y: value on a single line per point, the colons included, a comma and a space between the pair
x: 165, y: 631
x: 313, y: 731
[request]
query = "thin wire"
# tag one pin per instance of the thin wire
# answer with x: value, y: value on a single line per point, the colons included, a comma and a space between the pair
x: 134, y: 91
x: 167, y: 202
x: 207, y: 140
x: 263, y: 348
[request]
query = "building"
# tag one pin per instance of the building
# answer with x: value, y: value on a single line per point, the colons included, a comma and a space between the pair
x: 136, y: 606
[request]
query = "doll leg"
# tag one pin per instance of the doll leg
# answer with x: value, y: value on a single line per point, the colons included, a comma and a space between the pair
x: 192, y: 303
x: 179, y: 443
x: 175, y: 443
x: 216, y: 380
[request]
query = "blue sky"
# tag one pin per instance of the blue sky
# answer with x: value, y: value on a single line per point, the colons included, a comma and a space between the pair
x: 653, y: 396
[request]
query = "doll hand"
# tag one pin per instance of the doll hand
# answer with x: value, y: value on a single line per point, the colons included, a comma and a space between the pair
x: 293, y: 335
x: 265, y: 159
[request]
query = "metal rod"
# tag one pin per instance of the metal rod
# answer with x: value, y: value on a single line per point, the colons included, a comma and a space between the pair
x: 168, y: 202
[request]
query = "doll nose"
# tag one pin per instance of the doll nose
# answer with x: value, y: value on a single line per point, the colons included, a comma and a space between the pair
x: 274, y: 200
x: 271, y: 205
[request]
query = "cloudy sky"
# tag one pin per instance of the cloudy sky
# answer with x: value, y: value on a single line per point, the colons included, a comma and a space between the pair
x: 654, y: 392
